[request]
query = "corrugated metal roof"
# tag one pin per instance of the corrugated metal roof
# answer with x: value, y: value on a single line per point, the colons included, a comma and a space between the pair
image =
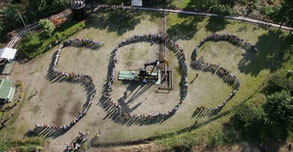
x: 7, y: 53
x: 5, y: 88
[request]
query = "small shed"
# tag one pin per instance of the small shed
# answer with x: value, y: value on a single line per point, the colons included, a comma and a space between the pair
x: 7, y: 91
x: 7, y: 53
x: 136, y: 3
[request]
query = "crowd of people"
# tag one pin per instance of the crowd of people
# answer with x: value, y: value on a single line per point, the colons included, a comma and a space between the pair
x: 114, y: 107
x: 77, y: 143
x: 226, y: 37
x: 72, y: 77
x: 227, y: 76
x: 200, y: 64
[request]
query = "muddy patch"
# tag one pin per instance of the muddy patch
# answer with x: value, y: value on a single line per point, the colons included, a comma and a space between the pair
x: 76, y: 108
x: 35, y: 109
x: 58, y: 120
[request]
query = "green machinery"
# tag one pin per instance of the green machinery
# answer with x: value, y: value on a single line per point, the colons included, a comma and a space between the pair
x: 143, y: 74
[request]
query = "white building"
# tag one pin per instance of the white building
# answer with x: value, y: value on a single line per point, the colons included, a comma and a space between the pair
x: 136, y: 2
x: 7, y: 53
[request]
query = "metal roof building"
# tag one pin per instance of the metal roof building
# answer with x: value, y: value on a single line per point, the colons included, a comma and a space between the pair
x: 136, y: 2
x: 7, y: 53
x: 6, y: 90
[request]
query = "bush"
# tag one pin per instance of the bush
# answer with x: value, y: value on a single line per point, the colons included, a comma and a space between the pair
x: 242, y: 2
x: 31, y: 11
x: 23, y: 145
x: 58, y: 35
x: 47, y: 26
x: 20, y: 86
x: 38, y: 43
x: 271, y: 12
x: 249, y: 122
x: 278, y: 108
x: 38, y: 9
x: 223, y: 10
x: 267, y: 10
x: 277, y: 83
x: 10, y: 18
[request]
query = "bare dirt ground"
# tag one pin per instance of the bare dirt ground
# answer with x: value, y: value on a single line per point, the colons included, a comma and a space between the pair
x: 131, y: 95
x: 60, y: 102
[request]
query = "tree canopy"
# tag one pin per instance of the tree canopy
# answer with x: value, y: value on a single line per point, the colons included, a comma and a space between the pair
x: 279, y: 108
x: 10, y: 18
x: 248, y: 121
x: 47, y: 26
x: 31, y: 11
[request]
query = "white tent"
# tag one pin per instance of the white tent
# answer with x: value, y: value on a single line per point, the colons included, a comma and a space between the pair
x: 7, y: 53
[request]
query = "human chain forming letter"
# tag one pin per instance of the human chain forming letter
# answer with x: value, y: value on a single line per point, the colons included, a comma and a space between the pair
x: 112, y: 106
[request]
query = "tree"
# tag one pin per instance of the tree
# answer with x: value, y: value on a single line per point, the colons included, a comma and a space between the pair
x: 38, y: 5
x: 47, y: 26
x: 279, y: 108
x: 63, y: 3
x: 248, y: 121
x: 10, y: 18
x: 279, y: 82
x: 285, y: 14
x: 223, y: 10
x: 289, y: 11
x: 37, y: 9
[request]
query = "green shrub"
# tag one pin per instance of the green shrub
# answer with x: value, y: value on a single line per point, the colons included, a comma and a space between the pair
x: 38, y: 43
x: 58, y: 35
x: 223, y: 10
x: 47, y: 26
x: 23, y: 146
x: 242, y: 2
x: 249, y: 122
x: 279, y: 108
x: 10, y: 18
x: 271, y: 11
x: 277, y: 83
x: 271, y: 1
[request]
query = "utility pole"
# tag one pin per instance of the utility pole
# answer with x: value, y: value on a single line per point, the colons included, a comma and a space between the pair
x: 23, y: 21
x: 21, y: 18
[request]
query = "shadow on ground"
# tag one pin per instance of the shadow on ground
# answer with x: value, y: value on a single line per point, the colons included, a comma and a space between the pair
x: 132, y: 86
x: 272, y: 48
x: 136, y: 89
x: 115, y: 115
x: 187, y: 29
x: 118, y: 21
x: 184, y: 30
x: 216, y: 24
